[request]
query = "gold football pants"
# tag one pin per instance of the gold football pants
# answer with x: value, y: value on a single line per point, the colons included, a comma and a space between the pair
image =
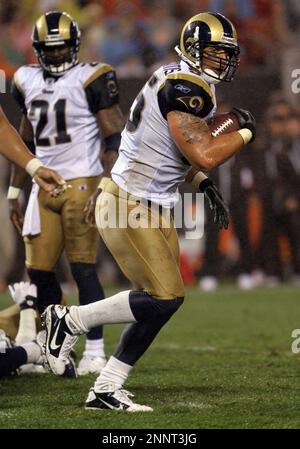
x: 148, y: 257
x: 63, y: 227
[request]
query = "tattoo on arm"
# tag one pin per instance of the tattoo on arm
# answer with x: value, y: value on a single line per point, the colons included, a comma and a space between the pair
x: 193, y: 128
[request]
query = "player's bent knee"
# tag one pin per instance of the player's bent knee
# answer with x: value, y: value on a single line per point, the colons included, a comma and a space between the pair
x: 145, y: 306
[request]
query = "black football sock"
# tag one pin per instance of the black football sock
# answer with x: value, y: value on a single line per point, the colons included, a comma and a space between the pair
x: 48, y: 288
x: 90, y: 290
x: 137, y: 337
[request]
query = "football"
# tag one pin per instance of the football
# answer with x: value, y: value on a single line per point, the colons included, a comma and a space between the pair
x: 223, y: 123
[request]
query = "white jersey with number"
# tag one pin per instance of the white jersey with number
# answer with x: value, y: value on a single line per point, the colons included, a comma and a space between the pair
x: 149, y: 163
x: 62, y: 112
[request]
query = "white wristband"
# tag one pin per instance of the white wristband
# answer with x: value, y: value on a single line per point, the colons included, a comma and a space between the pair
x: 245, y: 134
x: 33, y: 165
x: 13, y: 193
x: 198, y: 178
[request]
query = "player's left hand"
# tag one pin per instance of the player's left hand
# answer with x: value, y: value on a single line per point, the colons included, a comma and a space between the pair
x: 217, y: 204
x: 20, y: 290
x: 50, y: 181
x: 89, y: 209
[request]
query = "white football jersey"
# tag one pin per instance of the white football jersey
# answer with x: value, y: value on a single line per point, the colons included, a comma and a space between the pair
x: 62, y: 113
x: 149, y: 163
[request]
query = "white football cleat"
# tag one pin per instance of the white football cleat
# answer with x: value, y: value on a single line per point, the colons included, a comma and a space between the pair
x: 208, y: 284
x: 91, y: 365
x: 61, y: 337
x: 32, y: 368
x: 20, y: 291
x: 245, y: 282
x: 114, y: 400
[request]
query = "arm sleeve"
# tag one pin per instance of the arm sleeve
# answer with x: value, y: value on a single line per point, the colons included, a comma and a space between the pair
x: 102, y: 91
x: 185, y: 96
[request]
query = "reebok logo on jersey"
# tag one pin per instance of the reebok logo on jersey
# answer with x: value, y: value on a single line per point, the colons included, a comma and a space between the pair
x: 183, y: 89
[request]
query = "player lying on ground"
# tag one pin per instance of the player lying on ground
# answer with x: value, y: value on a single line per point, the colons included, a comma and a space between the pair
x: 25, y: 353
x: 165, y: 135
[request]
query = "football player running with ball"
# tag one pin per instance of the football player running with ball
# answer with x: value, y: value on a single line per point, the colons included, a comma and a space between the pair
x: 166, y: 134
x: 69, y: 110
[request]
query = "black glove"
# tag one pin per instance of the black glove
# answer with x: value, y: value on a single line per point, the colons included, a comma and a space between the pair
x: 246, y: 120
x: 216, y: 203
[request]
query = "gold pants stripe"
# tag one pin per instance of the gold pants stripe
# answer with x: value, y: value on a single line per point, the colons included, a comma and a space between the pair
x: 148, y: 257
x: 63, y: 227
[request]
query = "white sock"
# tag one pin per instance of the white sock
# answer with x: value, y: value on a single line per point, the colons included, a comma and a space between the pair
x: 112, y: 310
x: 27, y: 326
x: 94, y: 348
x: 112, y: 376
x: 33, y: 351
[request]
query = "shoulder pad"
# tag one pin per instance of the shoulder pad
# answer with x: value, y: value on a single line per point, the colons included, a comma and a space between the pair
x: 24, y: 75
x: 186, y: 93
x: 94, y: 70
x: 17, y: 87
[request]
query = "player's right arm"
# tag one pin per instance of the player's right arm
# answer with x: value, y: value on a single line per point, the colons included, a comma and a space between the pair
x: 192, y: 136
x: 19, y: 174
x: 11, y: 145
x: 102, y: 93
x: 185, y: 101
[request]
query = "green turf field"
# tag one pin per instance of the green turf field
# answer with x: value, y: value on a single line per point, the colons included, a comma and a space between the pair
x: 224, y: 361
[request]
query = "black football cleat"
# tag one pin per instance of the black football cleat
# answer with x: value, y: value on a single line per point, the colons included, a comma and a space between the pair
x: 114, y: 400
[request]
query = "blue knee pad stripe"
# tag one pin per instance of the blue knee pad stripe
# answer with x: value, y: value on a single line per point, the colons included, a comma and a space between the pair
x: 144, y: 306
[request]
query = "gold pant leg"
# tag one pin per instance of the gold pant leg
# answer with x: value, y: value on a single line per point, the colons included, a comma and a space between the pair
x: 147, y: 256
x: 44, y: 250
x: 81, y: 240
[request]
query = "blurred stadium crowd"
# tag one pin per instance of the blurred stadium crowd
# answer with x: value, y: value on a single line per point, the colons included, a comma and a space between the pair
x: 261, y: 186
x: 137, y: 35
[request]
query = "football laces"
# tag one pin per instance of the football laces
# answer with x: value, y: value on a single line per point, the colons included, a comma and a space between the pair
x: 221, y: 128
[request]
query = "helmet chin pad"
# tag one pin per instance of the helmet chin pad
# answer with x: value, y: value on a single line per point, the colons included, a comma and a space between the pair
x: 210, y: 76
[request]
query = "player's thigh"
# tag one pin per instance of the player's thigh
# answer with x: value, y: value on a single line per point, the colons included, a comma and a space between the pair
x: 43, y: 251
x: 172, y: 238
x: 143, y: 253
x: 81, y: 240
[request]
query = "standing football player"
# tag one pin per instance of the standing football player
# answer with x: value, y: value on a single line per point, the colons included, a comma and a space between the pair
x: 165, y: 135
x: 69, y: 110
